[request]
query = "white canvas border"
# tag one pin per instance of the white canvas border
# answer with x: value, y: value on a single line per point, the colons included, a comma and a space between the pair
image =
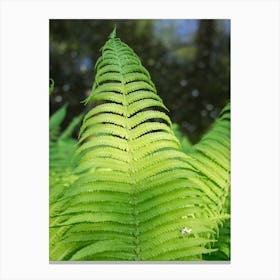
x: 255, y: 138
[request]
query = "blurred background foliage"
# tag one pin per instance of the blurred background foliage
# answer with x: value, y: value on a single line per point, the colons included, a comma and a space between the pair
x: 189, y: 62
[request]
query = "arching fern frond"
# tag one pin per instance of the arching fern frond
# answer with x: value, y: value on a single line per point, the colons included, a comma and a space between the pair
x: 186, y: 144
x: 211, y: 157
x: 137, y: 195
x: 61, y: 166
x: 51, y: 88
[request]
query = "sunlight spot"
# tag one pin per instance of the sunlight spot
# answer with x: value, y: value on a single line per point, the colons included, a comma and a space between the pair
x: 66, y: 87
x: 183, y: 83
x: 195, y: 93
x: 209, y: 107
x: 83, y: 68
x: 58, y: 98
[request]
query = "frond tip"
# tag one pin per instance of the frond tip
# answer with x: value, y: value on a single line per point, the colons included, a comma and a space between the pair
x: 51, y: 87
x: 113, y: 33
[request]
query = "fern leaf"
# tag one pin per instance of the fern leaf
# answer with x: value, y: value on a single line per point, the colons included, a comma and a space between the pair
x: 136, y: 190
x: 211, y: 156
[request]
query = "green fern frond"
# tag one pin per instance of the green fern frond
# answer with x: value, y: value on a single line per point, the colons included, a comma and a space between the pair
x: 55, y: 122
x: 61, y: 149
x: 184, y: 141
x: 51, y: 88
x: 136, y: 191
x: 211, y: 157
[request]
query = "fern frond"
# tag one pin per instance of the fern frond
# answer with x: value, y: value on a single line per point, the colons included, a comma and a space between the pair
x: 211, y: 157
x: 55, y: 121
x: 61, y: 167
x: 136, y: 190
x: 184, y: 141
x: 51, y: 88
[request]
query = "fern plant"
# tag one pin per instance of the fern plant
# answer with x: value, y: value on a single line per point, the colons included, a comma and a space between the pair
x: 137, y: 195
x: 211, y: 157
x: 61, y: 168
x: 185, y: 143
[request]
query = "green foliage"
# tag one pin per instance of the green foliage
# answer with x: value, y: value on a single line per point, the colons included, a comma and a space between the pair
x: 186, y: 144
x: 211, y: 157
x: 61, y: 166
x: 188, y: 61
x: 55, y: 121
x: 135, y: 194
x: 51, y: 86
x: 61, y: 149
